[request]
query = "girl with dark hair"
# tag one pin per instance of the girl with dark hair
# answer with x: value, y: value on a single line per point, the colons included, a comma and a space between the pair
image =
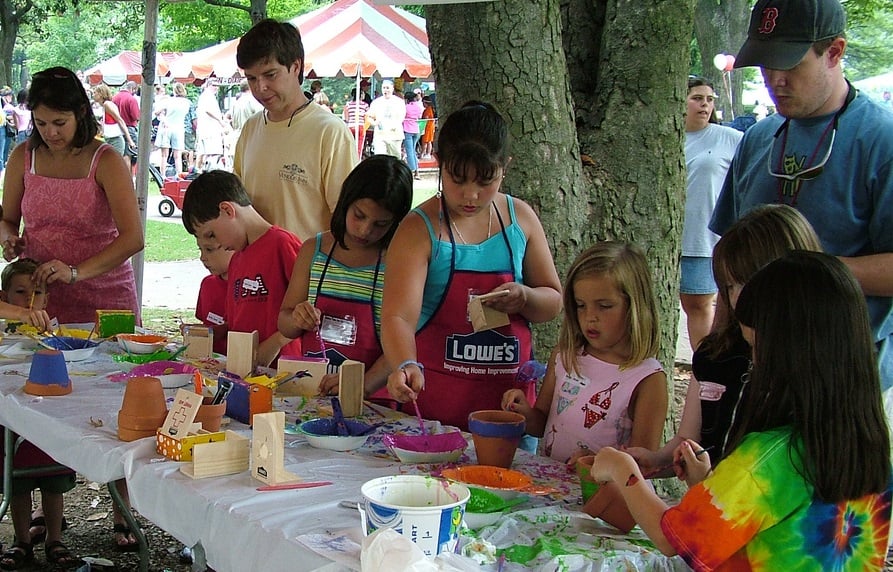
x: 468, y: 240
x: 722, y: 360
x: 807, y: 483
x: 76, y: 196
x: 335, y: 290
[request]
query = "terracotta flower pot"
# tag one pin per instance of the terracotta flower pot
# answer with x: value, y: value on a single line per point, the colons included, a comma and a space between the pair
x: 48, y: 375
x: 143, y: 409
x: 496, y: 435
x: 608, y: 504
x: 209, y: 415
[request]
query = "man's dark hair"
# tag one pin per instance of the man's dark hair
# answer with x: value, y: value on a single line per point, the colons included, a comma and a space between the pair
x: 269, y: 39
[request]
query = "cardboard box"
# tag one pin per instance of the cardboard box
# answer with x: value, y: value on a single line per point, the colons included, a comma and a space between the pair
x: 179, y: 435
x: 112, y: 322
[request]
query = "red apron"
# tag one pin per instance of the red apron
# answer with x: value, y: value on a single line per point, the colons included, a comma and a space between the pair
x: 467, y: 371
x: 366, y: 347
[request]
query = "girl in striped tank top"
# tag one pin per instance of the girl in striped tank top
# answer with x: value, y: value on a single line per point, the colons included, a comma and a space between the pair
x: 333, y: 300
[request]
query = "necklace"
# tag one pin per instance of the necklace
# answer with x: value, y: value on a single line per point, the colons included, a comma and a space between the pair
x: 293, y: 113
x: 489, y: 226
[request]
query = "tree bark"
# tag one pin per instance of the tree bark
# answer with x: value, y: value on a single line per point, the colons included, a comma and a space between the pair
x: 594, y: 82
x: 510, y: 54
x: 11, y: 15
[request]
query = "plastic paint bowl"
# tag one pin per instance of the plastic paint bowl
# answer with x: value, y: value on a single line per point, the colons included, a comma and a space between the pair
x: 426, y: 510
x: 323, y: 434
x: 172, y: 374
x: 141, y: 343
x: 438, y: 448
x: 74, y: 349
x: 505, y: 483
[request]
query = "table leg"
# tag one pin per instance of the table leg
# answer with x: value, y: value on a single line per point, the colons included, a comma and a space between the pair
x: 133, y: 524
x: 8, y: 456
x: 199, y: 562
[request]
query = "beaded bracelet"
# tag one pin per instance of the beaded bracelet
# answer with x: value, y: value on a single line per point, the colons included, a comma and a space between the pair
x: 411, y: 362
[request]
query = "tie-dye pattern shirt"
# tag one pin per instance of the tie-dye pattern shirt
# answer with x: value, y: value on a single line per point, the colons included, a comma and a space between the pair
x: 756, y: 512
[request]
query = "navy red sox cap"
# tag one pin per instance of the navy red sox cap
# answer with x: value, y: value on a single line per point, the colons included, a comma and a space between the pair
x: 782, y: 31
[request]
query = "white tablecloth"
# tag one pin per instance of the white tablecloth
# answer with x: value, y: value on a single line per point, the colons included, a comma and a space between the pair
x: 311, y: 529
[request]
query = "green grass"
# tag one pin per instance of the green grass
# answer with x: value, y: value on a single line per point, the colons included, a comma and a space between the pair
x: 165, y: 321
x: 168, y: 242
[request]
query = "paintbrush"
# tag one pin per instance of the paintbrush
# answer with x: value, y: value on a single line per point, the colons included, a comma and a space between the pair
x: 39, y: 341
x: 679, y: 463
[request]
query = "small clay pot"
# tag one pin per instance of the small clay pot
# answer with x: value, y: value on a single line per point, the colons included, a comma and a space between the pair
x: 608, y: 504
x: 144, y: 397
x: 496, y: 435
x: 588, y: 485
x: 209, y: 415
x: 48, y: 375
x: 143, y: 409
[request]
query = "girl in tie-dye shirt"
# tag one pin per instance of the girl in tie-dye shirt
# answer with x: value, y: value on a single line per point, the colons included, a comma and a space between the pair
x: 807, y: 484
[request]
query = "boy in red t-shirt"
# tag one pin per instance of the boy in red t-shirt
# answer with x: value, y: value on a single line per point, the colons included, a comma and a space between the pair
x: 217, y: 208
x: 210, y: 308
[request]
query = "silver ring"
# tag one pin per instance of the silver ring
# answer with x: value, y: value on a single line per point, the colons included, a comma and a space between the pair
x: 52, y: 270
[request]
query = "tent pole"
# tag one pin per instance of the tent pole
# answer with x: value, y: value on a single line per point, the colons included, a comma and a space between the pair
x: 144, y: 144
x: 356, y: 117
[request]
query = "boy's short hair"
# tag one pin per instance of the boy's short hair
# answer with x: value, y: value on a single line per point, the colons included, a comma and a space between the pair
x: 16, y: 268
x: 269, y: 39
x: 204, y: 195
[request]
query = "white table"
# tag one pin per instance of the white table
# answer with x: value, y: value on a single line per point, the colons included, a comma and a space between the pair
x: 238, y: 527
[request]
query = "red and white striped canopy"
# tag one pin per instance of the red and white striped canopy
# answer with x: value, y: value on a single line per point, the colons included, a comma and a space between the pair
x: 127, y: 66
x: 349, y: 35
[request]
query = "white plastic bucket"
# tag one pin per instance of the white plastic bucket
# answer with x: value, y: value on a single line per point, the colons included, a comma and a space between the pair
x: 424, y: 509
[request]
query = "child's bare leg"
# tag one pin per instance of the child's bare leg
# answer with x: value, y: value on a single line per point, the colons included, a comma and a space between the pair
x: 53, y: 507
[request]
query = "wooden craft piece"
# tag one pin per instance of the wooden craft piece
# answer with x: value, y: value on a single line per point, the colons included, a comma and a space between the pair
x: 241, y: 352
x: 220, y: 458
x: 179, y: 436
x: 310, y: 372
x: 350, y: 387
x: 112, y: 322
x: 199, y: 341
x: 484, y: 317
x: 268, y: 449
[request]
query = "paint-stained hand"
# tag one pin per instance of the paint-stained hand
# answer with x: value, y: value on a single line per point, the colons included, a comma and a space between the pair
x: 13, y: 247
x: 405, y: 384
x: 306, y: 316
x: 691, y: 462
x: 328, y: 385
x: 512, y: 302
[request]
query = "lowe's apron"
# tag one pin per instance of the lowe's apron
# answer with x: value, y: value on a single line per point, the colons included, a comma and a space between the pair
x: 467, y: 371
x: 347, y: 326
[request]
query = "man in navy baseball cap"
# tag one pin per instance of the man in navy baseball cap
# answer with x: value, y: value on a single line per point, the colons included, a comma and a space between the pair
x: 827, y: 152
x: 782, y: 31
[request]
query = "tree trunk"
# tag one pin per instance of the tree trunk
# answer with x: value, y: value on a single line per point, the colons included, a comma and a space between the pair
x: 10, y: 20
x: 510, y: 54
x: 615, y: 102
x: 721, y: 27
